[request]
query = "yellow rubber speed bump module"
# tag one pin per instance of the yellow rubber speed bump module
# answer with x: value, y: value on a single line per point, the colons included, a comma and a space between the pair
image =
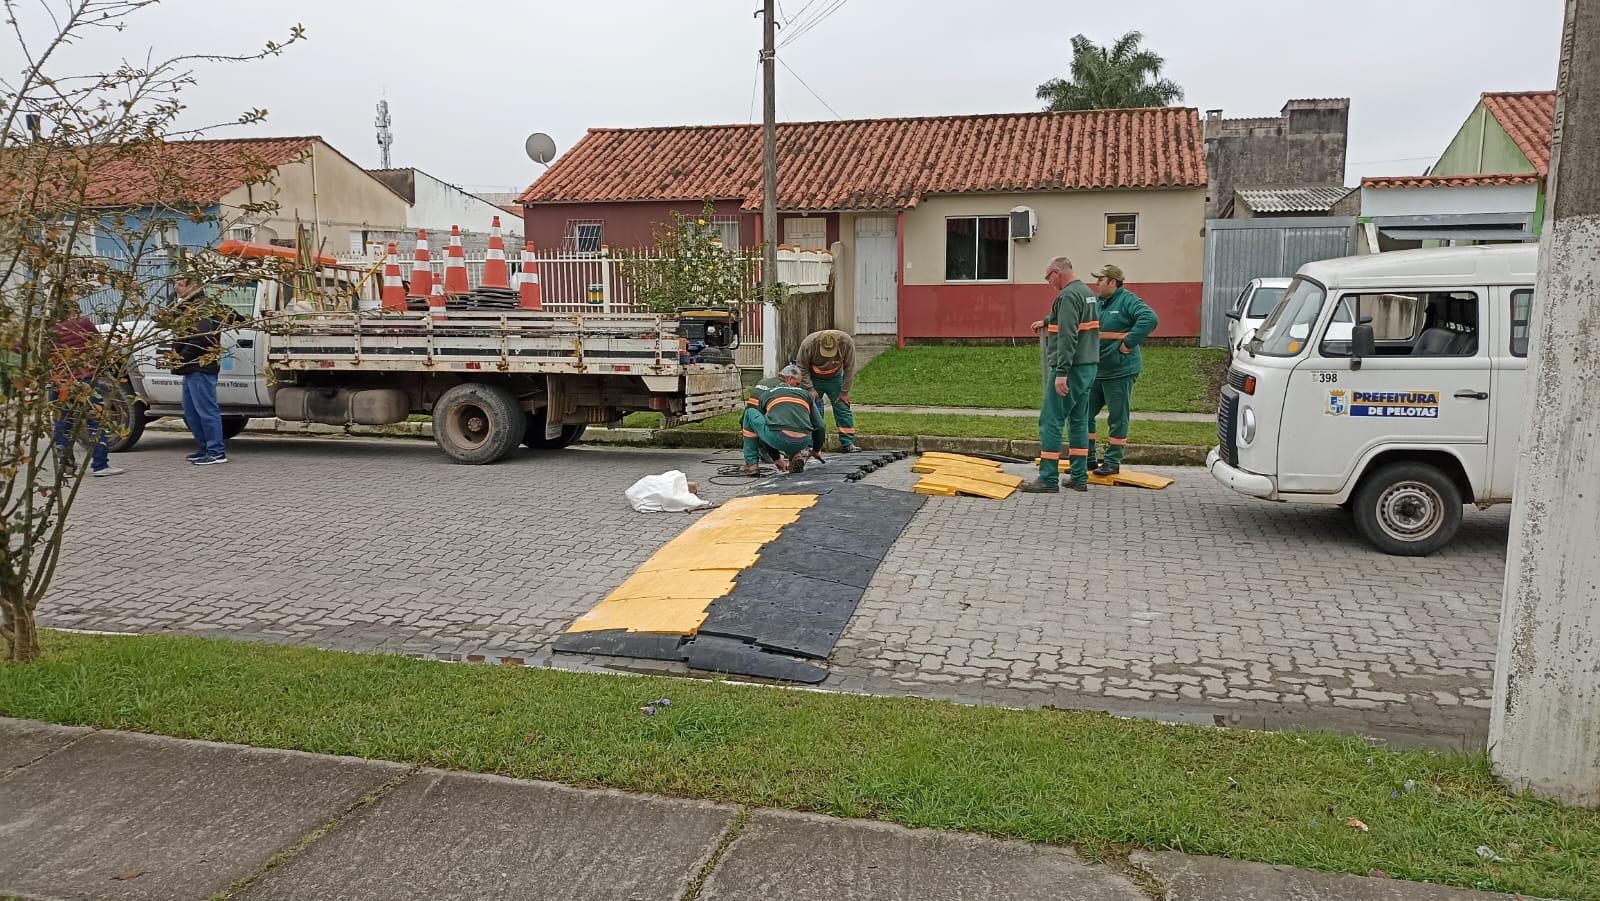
x: 669, y: 594
x: 950, y: 474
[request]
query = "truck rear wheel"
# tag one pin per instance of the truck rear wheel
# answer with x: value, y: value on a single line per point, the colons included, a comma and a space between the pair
x: 476, y: 424
x: 1408, y: 509
x: 536, y: 440
x: 125, y: 418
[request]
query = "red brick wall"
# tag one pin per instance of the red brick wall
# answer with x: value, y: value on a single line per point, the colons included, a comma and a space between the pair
x: 1004, y: 311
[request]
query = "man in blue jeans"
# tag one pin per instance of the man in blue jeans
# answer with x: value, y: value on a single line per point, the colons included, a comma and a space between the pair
x: 79, y: 397
x: 199, y: 354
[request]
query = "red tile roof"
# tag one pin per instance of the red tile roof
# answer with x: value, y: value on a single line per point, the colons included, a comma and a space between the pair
x: 1529, y: 118
x: 884, y: 164
x: 196, y: 171
x: 1448, y: 181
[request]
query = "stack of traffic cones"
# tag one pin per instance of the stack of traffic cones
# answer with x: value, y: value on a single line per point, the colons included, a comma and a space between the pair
x: 496, y: 277
x: 421, y: 269
x: 394, y: 288
x: 528, y: 281
x: 455, y: 267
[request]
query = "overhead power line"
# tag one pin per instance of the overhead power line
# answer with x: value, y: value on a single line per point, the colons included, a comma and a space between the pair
x: 809, y: 88
x: 813, y: 22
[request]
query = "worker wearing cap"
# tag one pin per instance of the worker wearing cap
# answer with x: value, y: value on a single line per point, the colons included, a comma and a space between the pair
x: 1125, y: 322
x: 790, y: 376
x: 1071, y: 355
x: 828, y: 367
x: 783, y: 418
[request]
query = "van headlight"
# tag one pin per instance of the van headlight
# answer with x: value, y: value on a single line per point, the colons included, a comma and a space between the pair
x: 1247, y: 426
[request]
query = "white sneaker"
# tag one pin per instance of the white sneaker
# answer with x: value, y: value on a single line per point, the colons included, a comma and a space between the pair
x: 108, y: 471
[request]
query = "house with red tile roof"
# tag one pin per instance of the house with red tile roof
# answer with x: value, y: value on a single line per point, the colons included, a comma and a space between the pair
x: 1487, y: 187
x: 941, y: 227
x: 308, y: 179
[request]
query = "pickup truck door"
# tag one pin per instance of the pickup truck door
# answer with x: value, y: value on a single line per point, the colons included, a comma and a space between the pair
x: 1425, y: 387
x: 1510, y: 354
x: 242, y: 381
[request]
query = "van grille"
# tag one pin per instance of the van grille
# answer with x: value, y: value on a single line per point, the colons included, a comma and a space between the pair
x: 1228, y: 424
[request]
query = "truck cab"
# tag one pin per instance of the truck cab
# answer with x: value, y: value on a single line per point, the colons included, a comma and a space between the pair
x: 1389, y: 384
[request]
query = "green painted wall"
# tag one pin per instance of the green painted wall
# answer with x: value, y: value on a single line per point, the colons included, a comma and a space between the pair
x: 1500, y: 154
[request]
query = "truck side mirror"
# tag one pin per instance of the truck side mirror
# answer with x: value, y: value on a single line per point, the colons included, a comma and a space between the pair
x: 1361, y: 343
x: 1235, y: 315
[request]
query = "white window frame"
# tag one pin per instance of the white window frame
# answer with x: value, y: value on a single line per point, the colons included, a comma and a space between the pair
x: 1107, y: 231
x: 722, y: 228
x: 242, y: 233
x: 1010, y: 252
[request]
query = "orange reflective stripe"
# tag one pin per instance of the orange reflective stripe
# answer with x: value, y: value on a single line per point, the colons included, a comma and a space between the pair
x: 754, y: 402
x: 750, y: 434
x: 1078, y: 452
x: 1119, y: 442
x: 1050, y: 455
x: 846, y: 431
x: 820, y: 370
x: 1089, y: 326
x: 789, y: 400
x: 1053, y: 328
x: 1113, y: 336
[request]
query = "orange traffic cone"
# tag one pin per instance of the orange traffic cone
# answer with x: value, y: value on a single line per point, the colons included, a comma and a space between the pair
x: 421, y: 269
x: 528, y: 284
x: 455, y: 267
x: 495, y: 273
x: 436, y: 301
x: 394, y: 288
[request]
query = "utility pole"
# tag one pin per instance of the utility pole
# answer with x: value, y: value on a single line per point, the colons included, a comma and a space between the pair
x: 1544, y: 727
x: 769, y: 191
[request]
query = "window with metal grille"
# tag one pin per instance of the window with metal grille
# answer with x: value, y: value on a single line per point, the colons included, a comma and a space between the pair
x: 1122, y: 230
x: 584, y: 235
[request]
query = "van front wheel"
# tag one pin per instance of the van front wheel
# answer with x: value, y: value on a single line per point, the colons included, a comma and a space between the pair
x: 1408, y: 509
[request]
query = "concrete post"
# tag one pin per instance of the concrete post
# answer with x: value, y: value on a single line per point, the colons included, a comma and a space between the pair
x: 1544, y: 729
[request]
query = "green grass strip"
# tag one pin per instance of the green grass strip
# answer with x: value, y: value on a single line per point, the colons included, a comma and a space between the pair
x: 1101, y: 783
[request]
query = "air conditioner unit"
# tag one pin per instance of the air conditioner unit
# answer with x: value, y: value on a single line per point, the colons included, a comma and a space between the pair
x: 1024, y: 224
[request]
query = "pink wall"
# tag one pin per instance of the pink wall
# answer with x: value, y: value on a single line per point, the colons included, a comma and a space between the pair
x: 1004, y: 311
x: 629, y: 225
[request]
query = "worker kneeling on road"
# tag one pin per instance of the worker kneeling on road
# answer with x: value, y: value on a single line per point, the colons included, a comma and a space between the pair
x: 828, y: 370
x: 819, y: 434
x: 1125, y: 322
x: 784, y: 418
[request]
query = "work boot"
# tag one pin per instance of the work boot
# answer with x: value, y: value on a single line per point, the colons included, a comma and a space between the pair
x: 750, y: 469
x: 797, y: 463
x: 1107, y: 469
x: 1076, y: 486
x: 848, y: 449
x: 1038, y: 487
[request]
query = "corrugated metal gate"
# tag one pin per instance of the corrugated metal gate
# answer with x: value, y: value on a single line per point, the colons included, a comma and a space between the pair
x: 1238, y: 250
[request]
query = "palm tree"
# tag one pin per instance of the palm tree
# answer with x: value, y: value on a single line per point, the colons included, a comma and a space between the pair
x: 1121, y: 76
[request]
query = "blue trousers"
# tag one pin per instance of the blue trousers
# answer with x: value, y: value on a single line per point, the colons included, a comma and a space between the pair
x: 66, y: 420
x: 201, y: 412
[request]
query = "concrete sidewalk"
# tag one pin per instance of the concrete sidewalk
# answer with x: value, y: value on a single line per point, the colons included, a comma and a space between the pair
x: 114, y: 815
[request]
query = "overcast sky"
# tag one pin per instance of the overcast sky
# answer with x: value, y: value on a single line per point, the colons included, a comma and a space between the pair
x: 468, y: 81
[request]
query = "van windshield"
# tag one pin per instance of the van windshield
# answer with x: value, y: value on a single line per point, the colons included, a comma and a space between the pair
x: 1286, y: 331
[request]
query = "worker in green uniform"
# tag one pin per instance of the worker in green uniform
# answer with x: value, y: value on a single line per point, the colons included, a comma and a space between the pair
x: 1125, y: 322
x: 790, y: 375
x: 1072, y: 354
x: 784, y: 419
x: 827, y: 362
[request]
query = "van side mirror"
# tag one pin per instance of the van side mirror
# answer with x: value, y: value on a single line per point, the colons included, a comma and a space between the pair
x: 1235, y: 315
x: 1362, y: 343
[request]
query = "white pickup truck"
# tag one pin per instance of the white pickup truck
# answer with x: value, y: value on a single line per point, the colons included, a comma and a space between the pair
x: 1402, y: 418
x: 491, y: 379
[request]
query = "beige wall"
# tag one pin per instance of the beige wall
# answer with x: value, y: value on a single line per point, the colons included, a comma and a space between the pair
x: 1171, y: 246
x: 329, y: 189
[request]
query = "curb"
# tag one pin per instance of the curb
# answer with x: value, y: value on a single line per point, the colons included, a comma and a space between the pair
x: 1136, y: 454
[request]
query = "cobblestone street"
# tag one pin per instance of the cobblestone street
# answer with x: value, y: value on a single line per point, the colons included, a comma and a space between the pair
x: 1190, y: 604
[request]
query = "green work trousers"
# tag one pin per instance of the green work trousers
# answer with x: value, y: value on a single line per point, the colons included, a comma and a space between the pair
x: 830, y: 387
x: 1116, y: 397
x: 758, y: 432
x: 1072, y: 412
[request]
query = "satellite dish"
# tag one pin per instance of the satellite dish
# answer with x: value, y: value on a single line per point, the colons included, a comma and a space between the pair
x: 541, y: 148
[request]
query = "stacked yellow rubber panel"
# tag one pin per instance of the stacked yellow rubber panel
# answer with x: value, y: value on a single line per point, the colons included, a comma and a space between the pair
x: 948, y: 475
x: 670, y: 593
